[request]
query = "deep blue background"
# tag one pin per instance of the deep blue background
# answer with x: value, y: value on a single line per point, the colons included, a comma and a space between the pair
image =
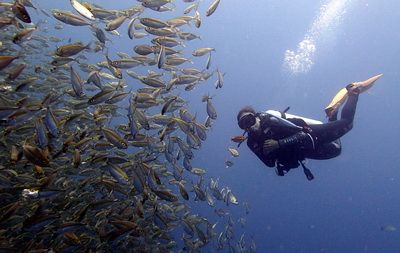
x: 353, y: 195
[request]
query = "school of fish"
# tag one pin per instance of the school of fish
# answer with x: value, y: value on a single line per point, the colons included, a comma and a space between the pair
x: 97, y: 149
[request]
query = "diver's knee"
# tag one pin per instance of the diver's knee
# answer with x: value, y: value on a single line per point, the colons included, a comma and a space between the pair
x: 335, y: 148
x: 349, y: 126
x: 338, y: 151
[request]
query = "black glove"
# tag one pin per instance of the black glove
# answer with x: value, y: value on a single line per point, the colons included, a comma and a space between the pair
x: 270, y: 146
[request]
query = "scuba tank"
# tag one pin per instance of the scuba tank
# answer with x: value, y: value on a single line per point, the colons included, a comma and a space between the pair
x: 284, y: 121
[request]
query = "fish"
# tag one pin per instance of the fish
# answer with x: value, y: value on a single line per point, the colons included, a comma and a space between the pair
x: 41, y: 134
x: 77, y: 158
x: 16, y: 71
x: 200, y: 194
x: 177, y: 22
x: 114, y: 138
x: 143, y: 49
x: 210, y: 200
x: 188, y: 36
x: 168, y: 104
x: 20, y: 12
x: 99, y: 33
x: 197, y: 19
x: 125, y: 63
x: 154, y: 3
x: 166, y: 31
x: 182, y: 189
x: 15, y: 154
x: 234, y: 152
x: 115, y: 23
x: 71, y: 49
x: 211, y: 112
x: 59, y: 61
x: 116, y: 72
x: 231, y: 198
x: 51, y: 123
x: 166, y: 195
x: 77, y: 83
x: 81, y: 9
x: 202, y: 51
x: 198, y: 171
x: 74, y: 147
x: 175, y: 61
x: 166, y: 41
x: 118, y: 174
x: 211, y: 9
x: 153, y: 23
x: 161, y: 57
x: 130, y: 28
x: 102, y: 96
x: 388, y: 228
x: 69, y: 18
x: 190, y: 8
x: 228, y: 163
x: 239, y: 138
x: 23, y: 35
x: 220, y: 81
x: 6, y: 60
x: 117, y: 97
x: 36, y: 155
x: 201, y: 131
x: 153, y: 82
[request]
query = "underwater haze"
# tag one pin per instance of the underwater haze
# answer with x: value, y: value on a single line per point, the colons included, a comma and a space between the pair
x: 353, y: 198
x: 271, y: 54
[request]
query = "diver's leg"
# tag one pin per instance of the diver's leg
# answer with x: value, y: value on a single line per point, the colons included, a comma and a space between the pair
x: 326, y: 151
x: 333, y: 116
x: 341, y: 96
x: 349, y: 109
x: 328, y: 132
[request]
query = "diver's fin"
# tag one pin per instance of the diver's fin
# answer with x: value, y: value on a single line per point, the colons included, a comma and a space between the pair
x: 336, y: 102
x: 341, y: 96
x: 365, y: 85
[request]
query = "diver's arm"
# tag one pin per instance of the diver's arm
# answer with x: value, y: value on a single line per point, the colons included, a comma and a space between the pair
x: 304, y: 140
x: 268, y: 160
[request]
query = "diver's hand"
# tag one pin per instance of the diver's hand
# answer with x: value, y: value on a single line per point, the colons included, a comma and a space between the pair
x: 269, y: 146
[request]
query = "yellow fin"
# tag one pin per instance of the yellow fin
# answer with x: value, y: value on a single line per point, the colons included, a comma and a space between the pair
x: 365, y: 85
x: 336, y: 102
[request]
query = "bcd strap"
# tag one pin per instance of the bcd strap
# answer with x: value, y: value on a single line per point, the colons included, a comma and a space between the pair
x: 307, y: 172
x: 283, y: 113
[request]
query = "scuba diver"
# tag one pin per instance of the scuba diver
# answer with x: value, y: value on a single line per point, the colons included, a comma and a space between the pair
x: 284, y: 141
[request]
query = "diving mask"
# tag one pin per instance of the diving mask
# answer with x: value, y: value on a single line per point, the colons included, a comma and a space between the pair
x: 247, y: 120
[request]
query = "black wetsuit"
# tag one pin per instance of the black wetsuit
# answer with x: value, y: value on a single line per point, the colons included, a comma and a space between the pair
x: 319, y: 141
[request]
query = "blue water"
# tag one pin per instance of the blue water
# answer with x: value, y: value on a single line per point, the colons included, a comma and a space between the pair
x: 352, y: 196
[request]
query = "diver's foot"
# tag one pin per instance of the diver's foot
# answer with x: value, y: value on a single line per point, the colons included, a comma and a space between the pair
x: 331, y: 113
x: 353, y: 88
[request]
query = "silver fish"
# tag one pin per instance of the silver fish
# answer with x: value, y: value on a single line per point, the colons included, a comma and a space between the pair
x: 211, y: 9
